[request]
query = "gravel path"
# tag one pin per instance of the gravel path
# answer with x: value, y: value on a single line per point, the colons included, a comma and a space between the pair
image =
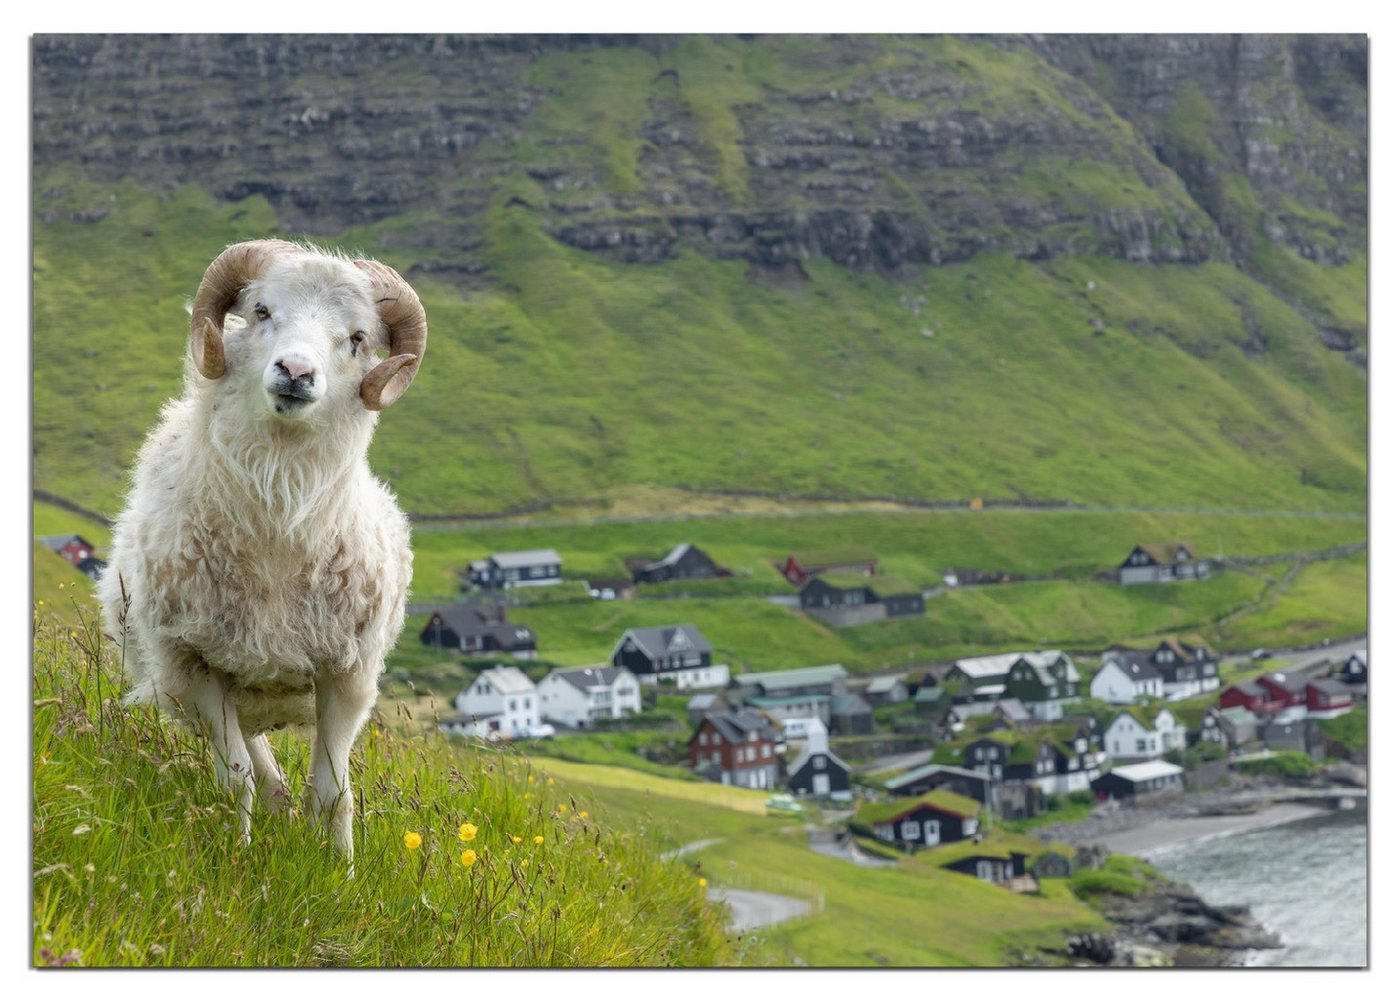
x: 750, y: 910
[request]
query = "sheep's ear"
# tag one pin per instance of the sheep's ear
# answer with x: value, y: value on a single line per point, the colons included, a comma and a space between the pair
x: 207, y: 351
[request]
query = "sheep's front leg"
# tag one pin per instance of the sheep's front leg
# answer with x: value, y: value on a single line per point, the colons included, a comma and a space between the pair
x: 343, y: 703
x: 208, y: 692
x: 272, y: 786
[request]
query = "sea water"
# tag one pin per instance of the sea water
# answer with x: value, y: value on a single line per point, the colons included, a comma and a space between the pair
x: 1306, y: 880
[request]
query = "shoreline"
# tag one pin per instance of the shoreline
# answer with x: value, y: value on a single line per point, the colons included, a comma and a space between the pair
x: 1161, y: 834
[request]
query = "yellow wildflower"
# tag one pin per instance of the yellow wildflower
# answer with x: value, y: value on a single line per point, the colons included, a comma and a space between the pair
x: 524, y: 862
x: 530, y: 778
x: 583, y: 814
x: 412, y: 840
x: 551, y: 781
x: 469, y: 857
x: 704, y: 882
x: 515, y: 840
x: 563, y: 809
x: 467, y: 831
x: 538, y: 840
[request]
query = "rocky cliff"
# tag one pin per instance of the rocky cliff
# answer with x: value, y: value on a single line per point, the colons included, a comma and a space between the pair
x: 875, y: 152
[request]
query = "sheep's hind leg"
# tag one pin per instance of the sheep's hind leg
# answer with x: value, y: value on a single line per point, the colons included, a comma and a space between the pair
x: 209, y: 694
x: 272, y: 786
x: 343, y: 703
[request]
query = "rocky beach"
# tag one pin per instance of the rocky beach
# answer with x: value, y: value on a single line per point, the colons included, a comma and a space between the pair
x: 1171, y: 923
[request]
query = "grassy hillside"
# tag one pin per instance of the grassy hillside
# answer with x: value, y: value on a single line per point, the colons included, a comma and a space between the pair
x: 136, y: 861
x: 574, y: 375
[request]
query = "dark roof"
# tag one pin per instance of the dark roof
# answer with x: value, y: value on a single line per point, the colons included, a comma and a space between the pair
x: 1289, y: 682
x: 672, y: 557
x: 511, y: 636
x: 801, y: 760
x: 462, y: 619
x: 1328, y: 686
x: 57, y: 542
x: 661, y: 640
x: 1136, y: 663
x: 734, y: 727
x: 1184, y: 650
x: 584, y: 678
x: 1251, y: 689
x: 850, y: 704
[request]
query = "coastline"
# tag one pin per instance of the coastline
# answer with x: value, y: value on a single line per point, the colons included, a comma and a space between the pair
x: 1161, y: 833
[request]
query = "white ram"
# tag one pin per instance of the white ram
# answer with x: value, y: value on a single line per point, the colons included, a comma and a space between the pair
x: 258, y: 573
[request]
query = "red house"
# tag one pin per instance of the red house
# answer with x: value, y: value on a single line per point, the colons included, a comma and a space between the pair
x: 1287, y: 689
x: 1251, y: 696
x: 736, y: 748
x: 74, y: 548
x: 1327, y: 699
x: 802, y: 566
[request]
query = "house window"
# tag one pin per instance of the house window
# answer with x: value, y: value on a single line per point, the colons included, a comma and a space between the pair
x: 1142, y: 746
x: 909, y: 830
x: 977, y: 753
x: 984, y: 870
x: 512, y: 704
x: 704, y: 738
x: 819, y: 763
x: 767, y: 751
x: 715, y: 757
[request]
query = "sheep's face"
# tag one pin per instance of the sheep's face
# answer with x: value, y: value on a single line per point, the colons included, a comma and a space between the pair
x: 309, y: 334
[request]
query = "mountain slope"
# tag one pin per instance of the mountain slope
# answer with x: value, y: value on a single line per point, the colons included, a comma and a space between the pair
x: 919, y: 267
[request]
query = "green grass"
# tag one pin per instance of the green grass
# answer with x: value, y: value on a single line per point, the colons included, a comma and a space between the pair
x: 754, y: 634
x: 914, y: 914
x: 136, y: 861
x: 918, y: 545
x: 778, y: 389
x: 1326, y: 600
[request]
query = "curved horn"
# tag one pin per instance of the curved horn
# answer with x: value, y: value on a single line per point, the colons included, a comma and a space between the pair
x: 403, y: 314
x: 223, y: 280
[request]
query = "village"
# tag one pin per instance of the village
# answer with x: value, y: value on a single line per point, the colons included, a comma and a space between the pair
x: 938, y: 759
x: 960, y: 761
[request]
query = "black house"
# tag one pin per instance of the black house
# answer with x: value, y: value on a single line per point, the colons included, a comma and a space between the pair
x: 991, y: 867
x: 684, y: 562
x: 1353, y: 671
x: 820, y: 774
x: 975, y: 785
x: 501, y: 570
x: 836, y: 590
x: 468, y: 630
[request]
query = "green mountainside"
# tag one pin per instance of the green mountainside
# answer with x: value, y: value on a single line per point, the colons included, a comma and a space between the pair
x: 1119, y: 271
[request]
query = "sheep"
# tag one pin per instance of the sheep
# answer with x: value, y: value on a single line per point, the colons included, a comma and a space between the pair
x: 259, y: 570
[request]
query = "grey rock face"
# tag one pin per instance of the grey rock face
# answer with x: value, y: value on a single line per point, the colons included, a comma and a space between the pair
x: 1129, y: 146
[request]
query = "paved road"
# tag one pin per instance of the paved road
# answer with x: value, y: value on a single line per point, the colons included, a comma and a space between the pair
x: 823, y: 840
x: 750, y: 910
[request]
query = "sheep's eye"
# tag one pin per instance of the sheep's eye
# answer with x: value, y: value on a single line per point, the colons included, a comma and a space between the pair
x: 260, y: 311
x: 356, y: 339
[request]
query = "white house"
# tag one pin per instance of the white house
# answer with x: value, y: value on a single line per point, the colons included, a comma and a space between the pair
x: 1125, y: 676
x: 501, y: 702
x: 583, y: 695
x: 1143, y: 737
